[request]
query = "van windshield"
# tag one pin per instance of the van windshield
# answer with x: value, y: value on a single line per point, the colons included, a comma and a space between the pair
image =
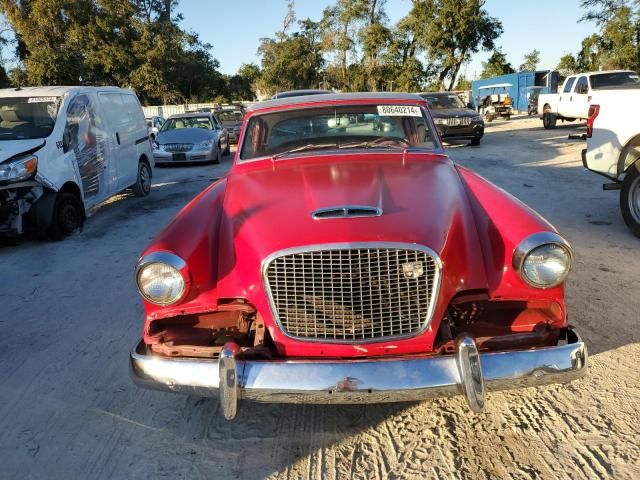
x: 27, y: 117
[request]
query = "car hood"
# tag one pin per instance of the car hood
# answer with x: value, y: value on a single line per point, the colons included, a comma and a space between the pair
x: 185, y: 135
x: 453, y: 112
x: 422, y: 198
x: 11, y: 148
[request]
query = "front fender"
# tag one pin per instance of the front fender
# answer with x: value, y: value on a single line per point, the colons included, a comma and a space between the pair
x: 503, y: 222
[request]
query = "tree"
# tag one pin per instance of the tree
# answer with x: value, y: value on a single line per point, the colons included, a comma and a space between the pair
x: 568, y: 65
x: 463, y: 84
x: 457, y: 30
x: 531, y: 61
x: 496, y: 65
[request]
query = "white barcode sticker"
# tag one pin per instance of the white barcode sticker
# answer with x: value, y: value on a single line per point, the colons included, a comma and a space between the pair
x: 399, y: 111
x: 41, y: 99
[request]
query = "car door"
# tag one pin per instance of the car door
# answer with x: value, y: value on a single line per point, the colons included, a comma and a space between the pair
x: 564, y: 102
x: 121, y: 136
x: 579, y: 99
x: 85, y: 141
x: 223, y: 135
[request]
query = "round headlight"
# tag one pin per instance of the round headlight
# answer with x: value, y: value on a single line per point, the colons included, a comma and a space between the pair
x: 162, y: 278
x: 543, y: 260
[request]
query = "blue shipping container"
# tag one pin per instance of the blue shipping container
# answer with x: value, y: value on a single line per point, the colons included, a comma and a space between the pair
x: 518, y: 91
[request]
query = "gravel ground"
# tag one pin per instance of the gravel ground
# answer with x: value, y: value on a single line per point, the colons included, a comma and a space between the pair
x: 69, y: 314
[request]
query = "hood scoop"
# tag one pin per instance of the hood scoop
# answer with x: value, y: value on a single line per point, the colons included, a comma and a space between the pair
x: 346, y: 211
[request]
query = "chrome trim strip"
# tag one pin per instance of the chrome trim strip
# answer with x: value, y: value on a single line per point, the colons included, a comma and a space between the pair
x: 340, y: 246
x: 532, y: 242
x: 346, y: 209
x: 171, y: 259
x: 373, y: 380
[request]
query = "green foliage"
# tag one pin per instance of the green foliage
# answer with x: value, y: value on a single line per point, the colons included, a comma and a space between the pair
x: 568, y: 65
x: 530, y: 62
x: 496, y: 65
x: 130, y: 43
x: 617, y: 45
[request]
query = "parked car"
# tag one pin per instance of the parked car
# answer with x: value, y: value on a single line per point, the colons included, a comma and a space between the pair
x: 231, y: 119
x: 300, y: 93
x: 154, y: 124
x: 576, y: 95
x: 454, y: 120
x: 494, y: 101
x: 66, y: 149
x: 613, y: 149
x: 191, y: 137
x: 352, y: 264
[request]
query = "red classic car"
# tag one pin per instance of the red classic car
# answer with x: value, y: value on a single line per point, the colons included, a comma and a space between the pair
x: 346, y: 259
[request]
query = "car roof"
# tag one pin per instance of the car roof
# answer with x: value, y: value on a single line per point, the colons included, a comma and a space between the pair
x: 55, y: 91
x: 335, y: 97
x: 299, y: 93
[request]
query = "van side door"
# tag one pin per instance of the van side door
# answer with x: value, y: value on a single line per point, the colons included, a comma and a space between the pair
x: 122, y: 138
x: 85, y: 141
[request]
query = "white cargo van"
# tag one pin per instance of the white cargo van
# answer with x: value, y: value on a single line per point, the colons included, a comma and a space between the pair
x: 65, y: 149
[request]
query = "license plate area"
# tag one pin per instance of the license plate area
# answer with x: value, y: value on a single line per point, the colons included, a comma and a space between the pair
x: 179, y: 157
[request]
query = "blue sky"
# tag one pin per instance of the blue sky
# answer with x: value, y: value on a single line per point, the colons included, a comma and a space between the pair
x: 235, y: 27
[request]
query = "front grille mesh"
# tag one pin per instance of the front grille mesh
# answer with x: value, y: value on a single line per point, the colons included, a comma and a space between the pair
x: 352, y: 294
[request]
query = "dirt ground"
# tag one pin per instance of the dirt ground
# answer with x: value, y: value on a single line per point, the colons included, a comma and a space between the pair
x: 69, y: 314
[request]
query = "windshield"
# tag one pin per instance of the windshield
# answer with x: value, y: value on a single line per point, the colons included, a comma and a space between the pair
x: 187, y: 122
x: 441, y: 102
x: 603, y: 81
x: 27, y: 117
x: 331, y: 128
x: 230, y: 116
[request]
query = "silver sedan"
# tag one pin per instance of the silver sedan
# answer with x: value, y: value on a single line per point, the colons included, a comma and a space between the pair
x: 191, y: 137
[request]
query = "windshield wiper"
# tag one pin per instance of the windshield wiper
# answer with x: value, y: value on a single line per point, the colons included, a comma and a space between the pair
x: 310, y: 146
x: 399, y: 144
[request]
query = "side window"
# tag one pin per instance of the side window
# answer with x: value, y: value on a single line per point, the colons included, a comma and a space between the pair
x: 133, y: 109
x: 569, y: 84
x: 84, y: 136
x: 582, y: 86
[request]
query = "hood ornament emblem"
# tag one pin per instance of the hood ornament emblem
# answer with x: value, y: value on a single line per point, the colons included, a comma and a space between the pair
x: 413, y: 270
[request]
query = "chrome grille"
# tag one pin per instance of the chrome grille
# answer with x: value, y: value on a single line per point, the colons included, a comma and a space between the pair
x: 458, y: 122
x: 177, y: 147
x: 352, y: 293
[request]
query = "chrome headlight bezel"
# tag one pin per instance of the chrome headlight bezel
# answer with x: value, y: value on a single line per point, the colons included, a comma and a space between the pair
x: 533, y: 243
x: 18, y: 170
x: 168, y: 259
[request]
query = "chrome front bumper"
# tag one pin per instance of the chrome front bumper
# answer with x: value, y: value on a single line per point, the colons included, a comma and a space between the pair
x: 467, y: 373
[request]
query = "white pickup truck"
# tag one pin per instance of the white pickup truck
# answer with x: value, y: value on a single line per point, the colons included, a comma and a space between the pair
x: 577, y: 92
x: 613, y: 148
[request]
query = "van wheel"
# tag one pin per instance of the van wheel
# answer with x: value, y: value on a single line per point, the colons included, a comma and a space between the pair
x: 57, y: 215
x: 549, y: 120
x: 142, y: 187
x: 630, y: 199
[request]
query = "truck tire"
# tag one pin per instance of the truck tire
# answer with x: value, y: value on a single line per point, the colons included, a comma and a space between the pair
x: 549, y: 120
x: 630, y: 199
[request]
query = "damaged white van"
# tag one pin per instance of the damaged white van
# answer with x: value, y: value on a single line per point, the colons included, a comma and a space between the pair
x: 65, y: 149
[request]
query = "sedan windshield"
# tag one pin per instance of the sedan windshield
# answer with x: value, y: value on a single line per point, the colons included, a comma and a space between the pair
x: 337, y: 128
x: 187, y: 122
x: 27, y: 117
x: 442, y: 102
x: 613, y: 80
